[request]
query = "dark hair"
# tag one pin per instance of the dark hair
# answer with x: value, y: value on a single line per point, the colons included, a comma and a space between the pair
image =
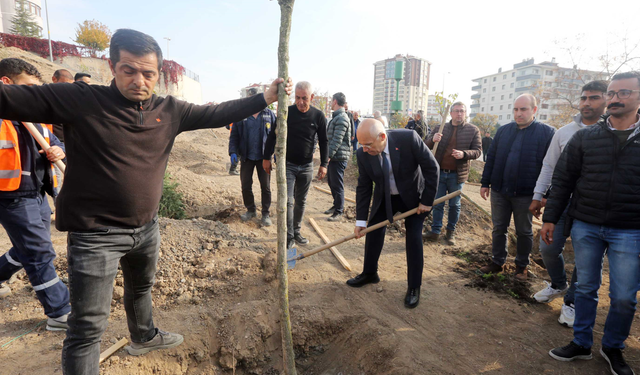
x: 340, y: 98
x: 627, y: 75
x: 599, y: 86
x: 134, y: 42
x: 252, y: 91
x: 61, y: 72
x: 12, y: 67
x: 79, y: 76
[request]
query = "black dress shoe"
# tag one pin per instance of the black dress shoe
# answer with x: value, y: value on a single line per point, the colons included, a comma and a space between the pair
x: 413, y: 298
x: 299, y: 239
x: 363, y: 279
x: 291, y: 243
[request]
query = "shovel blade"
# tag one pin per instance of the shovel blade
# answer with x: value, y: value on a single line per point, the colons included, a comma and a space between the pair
x: 291, y: 254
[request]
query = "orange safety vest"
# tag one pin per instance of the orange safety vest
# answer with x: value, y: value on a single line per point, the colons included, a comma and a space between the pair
x: 10, y: 165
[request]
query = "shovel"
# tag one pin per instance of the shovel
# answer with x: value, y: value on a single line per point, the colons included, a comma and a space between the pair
x: 293, y: 256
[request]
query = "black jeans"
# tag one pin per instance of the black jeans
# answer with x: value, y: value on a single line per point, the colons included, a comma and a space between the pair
x: 374, y: 241
x: 246, y: 181
x: 502, y: 207
x: 93, y: 259
x: 298, y: 182
x: 335, y: 178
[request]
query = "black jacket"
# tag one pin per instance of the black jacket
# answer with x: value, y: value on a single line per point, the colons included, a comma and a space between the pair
x: 416, y: 176
x: 420, y: 127
x: 604, y: 176
x: 239, y: 137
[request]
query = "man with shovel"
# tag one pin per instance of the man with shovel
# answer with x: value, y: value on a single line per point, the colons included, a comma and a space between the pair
x: 26, y: 174
x: 405, y: 175
x: 118, y: 140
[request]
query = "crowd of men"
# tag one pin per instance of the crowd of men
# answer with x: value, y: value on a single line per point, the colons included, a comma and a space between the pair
x: 583, y: 175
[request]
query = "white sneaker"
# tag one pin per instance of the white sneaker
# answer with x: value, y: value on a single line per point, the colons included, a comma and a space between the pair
x: 549, y: 293
x: 58, y: 324
x: 4, y: 291
x: 567, y: 315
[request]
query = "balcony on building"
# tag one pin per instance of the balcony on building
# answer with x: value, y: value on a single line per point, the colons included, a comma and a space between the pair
x: 525, y: 88
x: 475, y: 96
x: 529, y: 76
x: 476, y: 88
x: 474, y: 106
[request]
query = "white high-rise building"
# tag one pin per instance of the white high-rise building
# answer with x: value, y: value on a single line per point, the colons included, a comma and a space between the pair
x: 8, y: 11
x: 413, y: 87
x: 550, y: 83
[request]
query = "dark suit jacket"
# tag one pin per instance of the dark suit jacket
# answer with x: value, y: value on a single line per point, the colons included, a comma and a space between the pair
x: 415, y: 171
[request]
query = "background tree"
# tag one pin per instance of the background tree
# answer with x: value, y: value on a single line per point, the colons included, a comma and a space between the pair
x: 94, y: 35
x: 443, y: 104
x: 322, y: 101
x: 485, y: 122
x: 398, y: 121
x: 23, y: 21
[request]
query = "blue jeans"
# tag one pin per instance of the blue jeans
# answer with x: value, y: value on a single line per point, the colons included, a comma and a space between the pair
x: 27, y: 221
x: 448, y: 183
x: 502, y: 206
x: 93, y: 259
x: 622, y: 247
x: 554, y: 261
x: 298, y: 182
x: 335, y: 178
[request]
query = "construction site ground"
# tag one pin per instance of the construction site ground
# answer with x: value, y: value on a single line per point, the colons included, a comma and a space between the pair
x: 216, y: 286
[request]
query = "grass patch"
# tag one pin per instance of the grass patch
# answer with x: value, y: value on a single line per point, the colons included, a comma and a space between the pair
x: 171, y: 204
x: 474, y: 175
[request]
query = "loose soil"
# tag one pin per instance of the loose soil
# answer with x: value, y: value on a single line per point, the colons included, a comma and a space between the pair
x: 216, y: 286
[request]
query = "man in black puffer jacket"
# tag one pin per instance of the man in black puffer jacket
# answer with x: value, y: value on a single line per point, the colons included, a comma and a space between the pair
x: 599, y: 166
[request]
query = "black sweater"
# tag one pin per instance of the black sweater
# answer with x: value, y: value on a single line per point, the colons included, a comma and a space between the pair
x: 301, y: 132
x: 117, y: 150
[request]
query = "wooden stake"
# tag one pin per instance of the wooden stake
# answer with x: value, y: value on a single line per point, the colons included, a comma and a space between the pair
x: 329, y: 192
x: 333, y: 249
x: 288, y: 356
x: 114, y: 348
x: 442, y: 123
x: 42, y: 142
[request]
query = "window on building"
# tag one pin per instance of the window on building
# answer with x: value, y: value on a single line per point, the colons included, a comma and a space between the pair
x: 504, y: 86
x: 501, y: 107
x: 484, y: 91
x: 510, y: 96
x: 536, y: 71
x: 547, y: 84
x: 504, y: 76
x: 493, y: 98
x: 523, y: 72
x: 501, y: 97
x: 508, y: 117
x: 513, y: 74
x: 493, y: 88
x: 544, y: 106
x: 482, y: 109
x: 494, y: 79
x: 500, y: 117
x: 491, y: 108
x: 543, y: 117
x: 511, y: 85
x: 485, y: 80
x: 548, y: 72
x: 509, y: 106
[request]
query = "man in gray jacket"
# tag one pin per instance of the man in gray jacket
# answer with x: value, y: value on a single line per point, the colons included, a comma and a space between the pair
x: 339, y: 137
x: 592, y: 106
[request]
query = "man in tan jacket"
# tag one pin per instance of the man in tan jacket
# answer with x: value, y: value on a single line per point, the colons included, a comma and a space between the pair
x: 459, y: 143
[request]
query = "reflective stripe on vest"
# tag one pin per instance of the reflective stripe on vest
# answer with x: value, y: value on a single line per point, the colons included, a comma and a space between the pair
x: 10, y: 166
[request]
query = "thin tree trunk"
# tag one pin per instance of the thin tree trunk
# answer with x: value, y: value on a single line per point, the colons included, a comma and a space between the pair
x: 442, y: 123
x: 286, y: 9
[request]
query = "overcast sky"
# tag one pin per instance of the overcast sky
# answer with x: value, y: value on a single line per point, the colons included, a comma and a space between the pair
x: 334, y: 43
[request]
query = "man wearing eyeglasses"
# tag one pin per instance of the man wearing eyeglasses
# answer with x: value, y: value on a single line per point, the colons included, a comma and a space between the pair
x: 592, y: 105
x: 599, y: 171
x: 459, y: 143
x: 513, y: 164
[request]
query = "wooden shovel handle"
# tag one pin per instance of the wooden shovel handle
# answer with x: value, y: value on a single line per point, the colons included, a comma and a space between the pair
x: 42, y: 142
x: 373, y: 227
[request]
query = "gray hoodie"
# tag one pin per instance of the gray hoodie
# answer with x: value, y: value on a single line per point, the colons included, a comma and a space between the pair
x: 560, y: 139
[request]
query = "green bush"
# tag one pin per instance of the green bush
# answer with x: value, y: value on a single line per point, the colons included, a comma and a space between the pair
x: 474, y: 175
x: 171, y: 204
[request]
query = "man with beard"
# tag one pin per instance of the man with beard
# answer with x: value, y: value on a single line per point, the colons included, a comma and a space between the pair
x: 599, y: 171
x: 592, y: 106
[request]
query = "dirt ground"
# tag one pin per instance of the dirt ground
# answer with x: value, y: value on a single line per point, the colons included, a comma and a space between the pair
x: 216, y: 286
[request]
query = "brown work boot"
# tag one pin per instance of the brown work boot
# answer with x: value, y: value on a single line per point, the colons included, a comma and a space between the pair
x: 521, y: 273
x: 450, y: 237
x: 430, y: 236
x: 491, y: 268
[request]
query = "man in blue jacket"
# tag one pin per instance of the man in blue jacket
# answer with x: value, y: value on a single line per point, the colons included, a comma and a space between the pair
x: 25, y: 176
x: 513, y: 164
x: 247, y: 141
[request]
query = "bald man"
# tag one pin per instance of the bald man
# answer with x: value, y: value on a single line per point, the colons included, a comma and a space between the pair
x: 513, y: 164
x: 62, y: 76
x: 399, y: 187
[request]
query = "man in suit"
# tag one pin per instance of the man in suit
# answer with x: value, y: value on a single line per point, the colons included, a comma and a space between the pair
x: 399, y: 186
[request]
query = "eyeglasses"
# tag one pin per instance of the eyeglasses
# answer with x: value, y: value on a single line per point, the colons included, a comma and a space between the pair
x: 622, y: 94
x: 458, y: 111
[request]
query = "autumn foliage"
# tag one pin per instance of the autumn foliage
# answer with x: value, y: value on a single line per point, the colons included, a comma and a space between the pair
x: 93, y: 35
